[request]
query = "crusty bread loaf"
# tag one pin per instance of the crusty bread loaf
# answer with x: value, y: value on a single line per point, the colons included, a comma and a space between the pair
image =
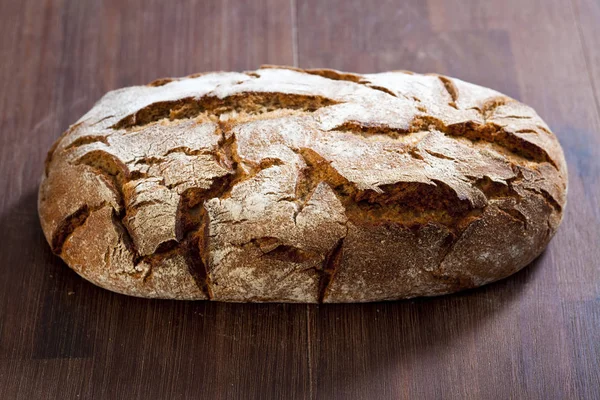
x: 302, y: 186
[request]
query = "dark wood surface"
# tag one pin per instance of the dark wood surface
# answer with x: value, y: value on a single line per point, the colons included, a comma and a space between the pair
x: 535, y: 335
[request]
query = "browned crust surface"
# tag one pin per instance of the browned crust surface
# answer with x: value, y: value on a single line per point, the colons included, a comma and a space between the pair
x: 302, y: 186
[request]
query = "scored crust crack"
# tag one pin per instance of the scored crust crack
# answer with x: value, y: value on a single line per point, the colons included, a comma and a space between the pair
x: 294, y: 185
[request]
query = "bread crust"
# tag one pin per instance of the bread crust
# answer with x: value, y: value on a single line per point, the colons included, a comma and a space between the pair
x: 293, y: 185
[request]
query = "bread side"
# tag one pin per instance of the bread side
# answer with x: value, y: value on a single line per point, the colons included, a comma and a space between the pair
x: 302, y: 186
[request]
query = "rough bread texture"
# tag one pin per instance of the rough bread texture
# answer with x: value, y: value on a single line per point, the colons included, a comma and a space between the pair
x: 302, y: 186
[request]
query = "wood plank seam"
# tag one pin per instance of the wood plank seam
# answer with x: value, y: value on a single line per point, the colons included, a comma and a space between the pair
x: 586, y: 57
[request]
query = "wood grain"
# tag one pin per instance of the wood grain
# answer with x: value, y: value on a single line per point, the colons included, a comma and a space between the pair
x: 535, y: 335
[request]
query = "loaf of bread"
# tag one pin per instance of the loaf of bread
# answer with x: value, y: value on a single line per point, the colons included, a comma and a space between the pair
x: 289, y: 185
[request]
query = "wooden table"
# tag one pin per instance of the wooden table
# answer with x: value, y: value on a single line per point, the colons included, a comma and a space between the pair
x: 535, y: 335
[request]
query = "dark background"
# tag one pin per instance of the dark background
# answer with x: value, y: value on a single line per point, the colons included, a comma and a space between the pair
x: 535, y: 335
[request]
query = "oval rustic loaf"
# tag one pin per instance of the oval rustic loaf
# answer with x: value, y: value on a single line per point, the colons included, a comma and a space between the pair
x: 302, y: 186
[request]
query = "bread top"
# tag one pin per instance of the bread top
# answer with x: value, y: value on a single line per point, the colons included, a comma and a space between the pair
x: 283, y: 159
